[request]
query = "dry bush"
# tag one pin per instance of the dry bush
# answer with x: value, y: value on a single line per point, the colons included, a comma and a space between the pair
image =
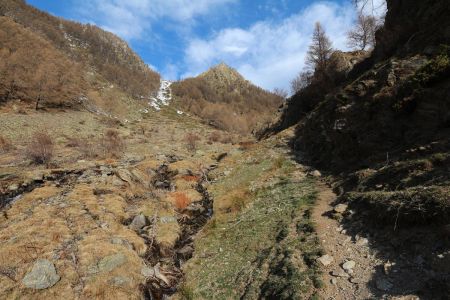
x: 111, y: 122
x: 40, y: 149
x: 214, y: 137
x: 181, y: 200
x: 190, y: 178
x: 191, y: 140
x: 5, y: 144
x: 226, y: 139
x: 73, y: 142
x: 88, y: 149
x: 246, y: 145
x: 112, y: 144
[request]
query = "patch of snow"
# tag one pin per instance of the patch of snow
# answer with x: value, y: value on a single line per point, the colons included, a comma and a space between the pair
x: 180, y: 112
x: 163, y: 97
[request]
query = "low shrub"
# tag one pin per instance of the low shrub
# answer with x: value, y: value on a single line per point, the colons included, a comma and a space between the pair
x: 5, y: 144
x: 181, y: 200
x: 191, y: 140
x: 40, y: 149
x: 214, y: 137
x: 112, y: 145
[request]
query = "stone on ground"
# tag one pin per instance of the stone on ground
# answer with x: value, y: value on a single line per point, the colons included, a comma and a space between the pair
x: 325, y: 260
x: 42, y: 276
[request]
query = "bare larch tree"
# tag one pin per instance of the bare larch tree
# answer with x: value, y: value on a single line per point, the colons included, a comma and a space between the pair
x: 319, y: 51
x: 362, y: 36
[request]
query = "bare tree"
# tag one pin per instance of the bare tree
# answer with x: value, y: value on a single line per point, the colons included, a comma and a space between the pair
x: 302, y: 80
x: 319, y: 51
x: 363, y: 35
x: 280, y: 92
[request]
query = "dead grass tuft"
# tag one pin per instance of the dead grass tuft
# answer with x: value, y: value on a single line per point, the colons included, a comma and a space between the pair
x: 191, y: 140
x: 5, y: 144
x: 112, y: 145
x: 40, y: 149
x: 214, y: 137
x: 190, y: 178
x: 181, y: 200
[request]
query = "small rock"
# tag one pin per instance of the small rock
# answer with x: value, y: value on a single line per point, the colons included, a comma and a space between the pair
x: 147, y: 271
x: 348, y: 265
x: 226, y: 172
x: 333, y: 281
x: 325, y: 260
x: 140, y: 176
x: 120, y: 281
x: 316, y: 173
x: 186, y: 251
x: 119, y: 241
x: 125, y: 175
x: 13, y: 187
x: 168, y: 219
x: 339, y: 273
x: 108, y: 263
x: 139, y: 222
x: 383, y: 284
x: 387, y: 267
x: 42, y: 276
x: 355, y: 280
x: 362, y: 242
x: 340, y: 208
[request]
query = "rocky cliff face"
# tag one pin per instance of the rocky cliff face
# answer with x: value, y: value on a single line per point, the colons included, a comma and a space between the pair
x: 385, y: 128
x: 413, y: 27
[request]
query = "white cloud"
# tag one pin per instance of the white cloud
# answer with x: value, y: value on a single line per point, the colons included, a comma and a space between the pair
x: 270, y: 54
x: 130, y: 19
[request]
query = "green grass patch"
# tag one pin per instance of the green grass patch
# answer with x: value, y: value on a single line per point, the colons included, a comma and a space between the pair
x: 268, y: 249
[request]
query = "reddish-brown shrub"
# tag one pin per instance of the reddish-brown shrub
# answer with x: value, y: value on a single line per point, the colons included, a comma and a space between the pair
x: 191, y: 140
x: 112, y: 144
x: 192, y: 178
x: 5, y: 144
x: 181, y: 200
x: 40, y: 149
x: 246, y: 145
x: 227, y: 139
x: 214, y: 137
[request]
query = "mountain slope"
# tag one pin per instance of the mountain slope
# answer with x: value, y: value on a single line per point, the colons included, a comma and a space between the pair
x: 223, y: 97
x: 104, y: 58
x: 383, y: 136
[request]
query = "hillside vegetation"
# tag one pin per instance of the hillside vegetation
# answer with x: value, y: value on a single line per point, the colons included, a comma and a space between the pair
x: 228, y: 101
x: 90, y: 56
x: 33, y: 69
x: 382, y: 134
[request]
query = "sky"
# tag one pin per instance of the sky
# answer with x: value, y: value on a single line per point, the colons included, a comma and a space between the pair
x: 265, y: 40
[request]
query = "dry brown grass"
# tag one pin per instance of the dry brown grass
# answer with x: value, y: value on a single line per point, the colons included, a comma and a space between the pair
x: 191, y: 140
x: 214, y: 137
x: 181, y: 200
x: 226, y: 139
x: 246, y: 145
x: 40, y: 149
x: 190, y: 178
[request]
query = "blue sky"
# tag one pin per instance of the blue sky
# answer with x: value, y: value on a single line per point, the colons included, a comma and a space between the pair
x: 265, y: 40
